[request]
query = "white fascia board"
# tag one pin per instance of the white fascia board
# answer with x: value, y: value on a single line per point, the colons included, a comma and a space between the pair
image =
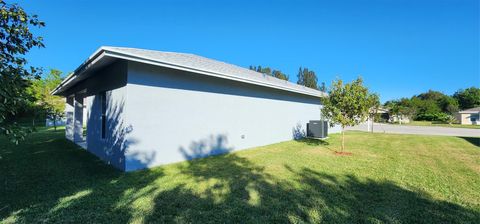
x: 469, y: 112
x: 94, y: 58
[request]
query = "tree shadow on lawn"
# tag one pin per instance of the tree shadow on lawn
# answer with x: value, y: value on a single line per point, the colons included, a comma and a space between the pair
x: 313, y: 141
x: 50, y: 179
x: 235, y: 190
x: 77, y: 187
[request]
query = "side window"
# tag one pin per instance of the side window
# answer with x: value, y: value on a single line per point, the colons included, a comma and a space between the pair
x: 103, y: 99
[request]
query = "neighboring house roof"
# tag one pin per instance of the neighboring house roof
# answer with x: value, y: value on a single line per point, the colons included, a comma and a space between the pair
x: 470, y: 111
x: 382, y: 110
x: 185, y: 62
x: 379, y: 110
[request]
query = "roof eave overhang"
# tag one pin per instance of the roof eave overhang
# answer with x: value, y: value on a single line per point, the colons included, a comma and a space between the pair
x: 103, y: 52
x: 469, y: 112
x: 90, y: 62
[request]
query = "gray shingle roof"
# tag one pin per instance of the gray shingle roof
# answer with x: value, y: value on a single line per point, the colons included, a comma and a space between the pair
x: 200, y: 63
x: 183, y: 61
x: 471, y: 110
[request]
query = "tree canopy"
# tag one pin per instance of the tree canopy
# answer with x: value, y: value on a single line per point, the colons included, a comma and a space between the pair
x: 401, y: 108
x: 16, y: 40
x: 431, y: 106
x: 347, y: 104
x: 468, y: 98
x: 268, y: 71
x: 307, y: 78
x: 52, y: 106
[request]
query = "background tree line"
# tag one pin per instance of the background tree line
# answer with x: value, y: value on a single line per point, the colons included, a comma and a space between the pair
x: 305, y: 77
x: 42, y: 103
x: 435, y: 105
x: 39, y: 104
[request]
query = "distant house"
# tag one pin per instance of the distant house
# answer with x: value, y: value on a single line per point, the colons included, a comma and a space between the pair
x: 50, y: 123
x: 146, y: 108
x: 384, y: 115
x: 398, y: 119
x: 469, y: 116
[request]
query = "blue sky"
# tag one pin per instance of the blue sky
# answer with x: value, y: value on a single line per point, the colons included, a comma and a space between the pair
x: 400, y: 48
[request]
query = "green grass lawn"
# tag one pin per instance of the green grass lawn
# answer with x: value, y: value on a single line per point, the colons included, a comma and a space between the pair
x: 430, y: 123
x: 388, y: 179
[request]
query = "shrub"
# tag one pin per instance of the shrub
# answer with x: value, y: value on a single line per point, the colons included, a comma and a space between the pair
x: 442, y: 117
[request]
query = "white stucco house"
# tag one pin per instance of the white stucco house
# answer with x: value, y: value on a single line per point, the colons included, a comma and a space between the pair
x: 146, y: 108
x: 469, y: 116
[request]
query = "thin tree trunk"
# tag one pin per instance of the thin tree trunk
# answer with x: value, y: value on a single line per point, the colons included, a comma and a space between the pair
x: 343, y: 139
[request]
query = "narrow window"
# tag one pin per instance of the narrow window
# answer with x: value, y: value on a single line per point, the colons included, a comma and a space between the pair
x: 103, y: 99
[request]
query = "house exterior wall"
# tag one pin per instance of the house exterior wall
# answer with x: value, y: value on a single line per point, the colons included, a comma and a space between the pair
x: 466, y: 118
x: 111, y: 80
x: 396, y: 119
x: 69, y: 110
x: 111, y: 148
x: 78, y: 118
x: 157, y: 115
x: 173, y: 116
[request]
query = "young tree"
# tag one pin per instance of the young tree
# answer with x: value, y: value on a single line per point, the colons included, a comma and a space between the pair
x: 16, y: 40
x: 347, y: 105
x: 307, y: 78
x: 53, y: 106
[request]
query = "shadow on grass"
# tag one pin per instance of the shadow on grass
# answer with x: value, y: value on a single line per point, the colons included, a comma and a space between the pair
x: 239, y: 191
x: 49, y: 179
x: 65, y: 184
x: 474, y: 141
x: 313, y: 141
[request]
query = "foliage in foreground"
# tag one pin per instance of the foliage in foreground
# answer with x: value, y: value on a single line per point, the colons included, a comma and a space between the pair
x: 389, y: 179
x: 16, y: 40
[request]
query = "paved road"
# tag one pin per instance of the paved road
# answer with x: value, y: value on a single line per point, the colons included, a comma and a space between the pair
x: 419, y: 130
